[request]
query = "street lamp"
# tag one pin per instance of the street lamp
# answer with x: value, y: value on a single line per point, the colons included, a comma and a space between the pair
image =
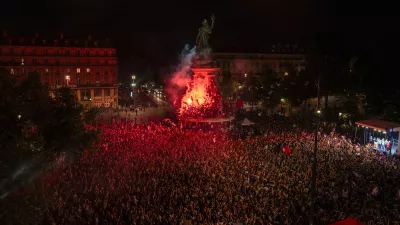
x: 319, y: 111
x: 340, y: 114
x: 282, y: 101
x: 67, y: 78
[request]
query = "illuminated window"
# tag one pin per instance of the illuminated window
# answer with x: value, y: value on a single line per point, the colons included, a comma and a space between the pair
x: 87, y: 70
x: 22, y: 62
x: 85, y: 95
x: 12, y: 71
x: 78, y: 70
x: 46, y: 70
x: 286, y: 73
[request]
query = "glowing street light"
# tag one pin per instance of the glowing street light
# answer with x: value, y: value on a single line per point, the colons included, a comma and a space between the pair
x: 340, y: 114
x: 67, y: 78
x: 286, y: 73
x: 319, y: 111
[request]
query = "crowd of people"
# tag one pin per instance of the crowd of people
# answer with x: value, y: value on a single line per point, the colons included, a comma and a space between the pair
x: 163, y: 174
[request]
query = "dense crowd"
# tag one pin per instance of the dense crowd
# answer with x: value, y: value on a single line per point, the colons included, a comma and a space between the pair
x: 162, y: 174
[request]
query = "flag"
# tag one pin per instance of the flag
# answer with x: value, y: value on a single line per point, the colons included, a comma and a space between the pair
x: 348, y: 221
x: 287, y: 150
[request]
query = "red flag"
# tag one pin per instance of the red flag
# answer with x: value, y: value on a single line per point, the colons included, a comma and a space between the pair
x: 287, y: 150
x: 348, y: 221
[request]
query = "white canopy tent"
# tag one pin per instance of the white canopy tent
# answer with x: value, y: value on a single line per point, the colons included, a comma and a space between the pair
x: 247, y: 122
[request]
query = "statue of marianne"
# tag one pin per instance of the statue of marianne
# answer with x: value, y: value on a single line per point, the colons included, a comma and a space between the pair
x: 204, y: 35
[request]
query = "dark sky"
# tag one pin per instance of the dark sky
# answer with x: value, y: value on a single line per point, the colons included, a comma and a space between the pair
x: 151, y: 33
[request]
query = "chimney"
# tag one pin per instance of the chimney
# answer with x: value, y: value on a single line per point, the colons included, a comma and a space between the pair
x: 61, y: 36
x: 4, y: 33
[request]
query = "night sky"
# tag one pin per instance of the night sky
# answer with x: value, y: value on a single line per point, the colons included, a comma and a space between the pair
x: 150, y: 34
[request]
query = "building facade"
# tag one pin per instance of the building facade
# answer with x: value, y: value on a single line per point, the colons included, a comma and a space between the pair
x: 241, y: 64
x: 89, y: 67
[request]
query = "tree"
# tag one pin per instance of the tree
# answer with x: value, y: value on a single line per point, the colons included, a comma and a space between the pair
x: 35, y: 126
x: 226, y: 86
x: 268, y: 88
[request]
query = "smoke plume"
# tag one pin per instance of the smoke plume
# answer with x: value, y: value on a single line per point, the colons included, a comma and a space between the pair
x: 181, y: 77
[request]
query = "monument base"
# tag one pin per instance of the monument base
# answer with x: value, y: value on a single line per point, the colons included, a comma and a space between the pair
x: 206, y: 124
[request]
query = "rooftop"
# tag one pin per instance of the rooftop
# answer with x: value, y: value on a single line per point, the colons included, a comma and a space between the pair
x: 61, y: 41
x: 378, y: 124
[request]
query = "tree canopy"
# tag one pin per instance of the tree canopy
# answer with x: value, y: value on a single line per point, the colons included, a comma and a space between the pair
x: 34, y: 123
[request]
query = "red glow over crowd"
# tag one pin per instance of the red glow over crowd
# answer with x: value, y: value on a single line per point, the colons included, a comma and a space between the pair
x: 157, y: 174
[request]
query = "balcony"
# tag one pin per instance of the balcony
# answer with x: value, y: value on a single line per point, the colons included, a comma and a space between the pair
x: 95, y: 85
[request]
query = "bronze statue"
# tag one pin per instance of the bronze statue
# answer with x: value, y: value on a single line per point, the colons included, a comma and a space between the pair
x: 204, y: 35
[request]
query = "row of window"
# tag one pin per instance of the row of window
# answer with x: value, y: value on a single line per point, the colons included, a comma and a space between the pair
x: 60, y: 51
x: 46, y: 61
x: 86, y: 95
x: 67, y: 81
x: 67, y: 70
x: 258, y: 66
x: 262, y: 57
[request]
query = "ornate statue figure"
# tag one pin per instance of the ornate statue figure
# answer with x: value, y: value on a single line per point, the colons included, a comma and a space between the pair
x: 204, y: 34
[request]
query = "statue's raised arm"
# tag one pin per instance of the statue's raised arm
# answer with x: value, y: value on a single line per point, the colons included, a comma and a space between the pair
x: 204, y: 34
x: 212, y: 22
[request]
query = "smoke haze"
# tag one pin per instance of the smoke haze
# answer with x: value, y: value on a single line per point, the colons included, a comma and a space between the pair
x: 180, y: 78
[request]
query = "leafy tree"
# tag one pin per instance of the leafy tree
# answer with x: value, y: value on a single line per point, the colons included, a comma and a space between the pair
x: 35, y: 126
x: 235, y: 86
x: 268, y: 88
x: 226, y: 84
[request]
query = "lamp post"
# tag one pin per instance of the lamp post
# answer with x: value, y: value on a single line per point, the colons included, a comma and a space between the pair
x: 133, y: 90
x: 314, y: 165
